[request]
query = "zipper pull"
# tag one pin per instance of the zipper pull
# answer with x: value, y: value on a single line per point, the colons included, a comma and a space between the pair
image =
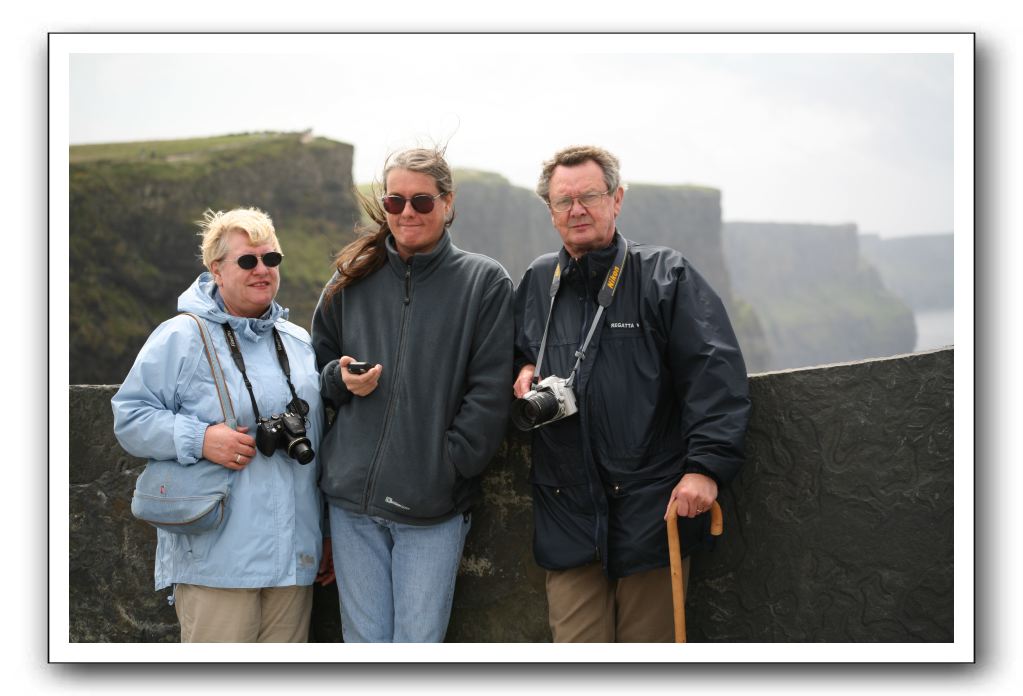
x: 408, y: 283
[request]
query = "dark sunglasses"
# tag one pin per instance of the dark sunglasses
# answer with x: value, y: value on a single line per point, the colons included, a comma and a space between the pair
x: 271, y: 259
x: 422, y: 203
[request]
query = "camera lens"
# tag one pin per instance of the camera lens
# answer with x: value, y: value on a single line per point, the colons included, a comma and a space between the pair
x: 539, y: 408
x: 300, y: 450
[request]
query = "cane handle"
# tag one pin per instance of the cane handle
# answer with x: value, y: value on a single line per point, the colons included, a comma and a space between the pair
x: 678, y: 590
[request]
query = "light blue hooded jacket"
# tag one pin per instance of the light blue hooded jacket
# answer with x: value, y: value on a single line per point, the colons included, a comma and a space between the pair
x: 271, y: 535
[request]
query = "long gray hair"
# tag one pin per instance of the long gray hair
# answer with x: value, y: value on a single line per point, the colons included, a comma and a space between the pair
x: 368, y: 253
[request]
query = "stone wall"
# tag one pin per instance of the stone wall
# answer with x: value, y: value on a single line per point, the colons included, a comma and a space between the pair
x: 838, y: 529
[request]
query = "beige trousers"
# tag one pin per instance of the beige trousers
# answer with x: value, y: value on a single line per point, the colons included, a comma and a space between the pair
x: 586, y: 607
x: 240, y: 615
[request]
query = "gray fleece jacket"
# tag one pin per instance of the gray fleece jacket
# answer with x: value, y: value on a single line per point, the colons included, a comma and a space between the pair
x: 442, y: 327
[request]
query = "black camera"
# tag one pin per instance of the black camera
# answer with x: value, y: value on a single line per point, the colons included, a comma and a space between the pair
x: 286, y: 431
x: 550, y: 400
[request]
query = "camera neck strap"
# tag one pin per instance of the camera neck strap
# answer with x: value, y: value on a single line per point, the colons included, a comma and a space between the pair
x: 607, y: 292
x: 282, y: 358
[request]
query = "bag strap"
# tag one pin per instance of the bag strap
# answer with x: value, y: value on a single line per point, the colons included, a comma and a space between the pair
x: 218, y: 373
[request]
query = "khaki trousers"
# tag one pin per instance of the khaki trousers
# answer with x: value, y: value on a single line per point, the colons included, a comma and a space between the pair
x: 241, y: 615
x: 586, y: 607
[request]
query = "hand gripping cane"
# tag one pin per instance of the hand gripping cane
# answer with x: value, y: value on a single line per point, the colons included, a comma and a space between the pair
x: 678, y: 590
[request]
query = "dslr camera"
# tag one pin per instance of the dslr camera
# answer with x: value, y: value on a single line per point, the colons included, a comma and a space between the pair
x: 549, y: 400
x: 287, y: 432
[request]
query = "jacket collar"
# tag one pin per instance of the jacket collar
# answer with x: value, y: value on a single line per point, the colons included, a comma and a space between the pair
x: 590, y: 268
x: 420, y: 264
x: 203, y: 299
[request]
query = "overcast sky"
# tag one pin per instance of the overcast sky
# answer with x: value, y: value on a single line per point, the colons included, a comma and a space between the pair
x: 812, y: 137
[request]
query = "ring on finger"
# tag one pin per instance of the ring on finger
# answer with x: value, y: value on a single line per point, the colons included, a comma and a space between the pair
x: 237, y: 459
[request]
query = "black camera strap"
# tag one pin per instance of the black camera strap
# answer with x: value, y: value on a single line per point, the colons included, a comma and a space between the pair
x: 282, y: 358
x: 607, y: 292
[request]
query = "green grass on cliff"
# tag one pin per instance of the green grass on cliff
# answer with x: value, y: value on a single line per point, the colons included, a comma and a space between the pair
x: 133, y: 241
x: 172, y: 150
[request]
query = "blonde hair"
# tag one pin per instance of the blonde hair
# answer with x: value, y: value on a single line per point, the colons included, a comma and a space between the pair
x: 216, y: 228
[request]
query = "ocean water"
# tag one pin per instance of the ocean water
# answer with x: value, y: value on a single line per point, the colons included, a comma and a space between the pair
x: 933, y: 329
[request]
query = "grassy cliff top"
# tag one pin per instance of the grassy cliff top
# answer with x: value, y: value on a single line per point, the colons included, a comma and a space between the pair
x: 690, y: 188
x: 192, y: 148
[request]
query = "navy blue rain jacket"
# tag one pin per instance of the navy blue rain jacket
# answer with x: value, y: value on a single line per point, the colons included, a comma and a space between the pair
x: 662, y: 392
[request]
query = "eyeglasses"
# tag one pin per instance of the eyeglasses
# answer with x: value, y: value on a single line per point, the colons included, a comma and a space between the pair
x: 271, y: 259
x: 422, y: 203
x: 589, y: 199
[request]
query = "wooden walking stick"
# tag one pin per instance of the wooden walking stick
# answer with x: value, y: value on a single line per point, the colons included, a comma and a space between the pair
x: 678, y: 590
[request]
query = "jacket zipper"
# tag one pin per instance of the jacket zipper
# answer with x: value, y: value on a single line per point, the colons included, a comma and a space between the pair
x: 584, y: 417
x: 367, y: 493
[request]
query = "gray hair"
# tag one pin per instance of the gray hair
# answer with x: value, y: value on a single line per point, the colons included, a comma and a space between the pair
x: 368, y: 252
x: 579, y: 154
x: 429, y: 161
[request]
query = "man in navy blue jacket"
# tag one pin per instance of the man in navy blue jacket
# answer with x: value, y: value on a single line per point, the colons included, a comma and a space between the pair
x: 662, y: 400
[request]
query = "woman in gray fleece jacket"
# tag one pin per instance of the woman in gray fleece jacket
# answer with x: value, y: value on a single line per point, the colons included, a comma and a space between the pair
x: 413, y: 338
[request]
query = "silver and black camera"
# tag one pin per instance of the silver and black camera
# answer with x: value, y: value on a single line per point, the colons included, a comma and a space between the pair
x: 549, y: 400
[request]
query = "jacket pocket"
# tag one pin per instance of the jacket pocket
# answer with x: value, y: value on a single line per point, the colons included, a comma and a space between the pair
x: 557, y: 456
x: 192, y: 550
x: 420, y: 486
x: 189, y: 515
x: 564, y: 526
x: 199, y: 546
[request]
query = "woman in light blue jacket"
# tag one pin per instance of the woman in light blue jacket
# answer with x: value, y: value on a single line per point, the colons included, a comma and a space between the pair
x: 250, y: 579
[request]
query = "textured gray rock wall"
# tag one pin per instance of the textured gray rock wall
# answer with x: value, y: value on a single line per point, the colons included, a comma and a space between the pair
x: 838, y: 529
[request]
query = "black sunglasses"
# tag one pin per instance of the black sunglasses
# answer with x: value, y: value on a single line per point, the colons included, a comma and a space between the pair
x: 271, y: 259
x: 422, y: 203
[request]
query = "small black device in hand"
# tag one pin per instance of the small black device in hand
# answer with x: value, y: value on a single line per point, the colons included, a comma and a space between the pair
x: 358, y: 368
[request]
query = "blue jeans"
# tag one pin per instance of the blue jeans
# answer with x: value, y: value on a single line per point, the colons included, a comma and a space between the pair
x: 396, y: 581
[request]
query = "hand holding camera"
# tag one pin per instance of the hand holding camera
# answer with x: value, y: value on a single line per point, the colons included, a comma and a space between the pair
x: 229, y: 448
x: 360, y: 378
x: 551, y: 399
x: 524, y: 382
